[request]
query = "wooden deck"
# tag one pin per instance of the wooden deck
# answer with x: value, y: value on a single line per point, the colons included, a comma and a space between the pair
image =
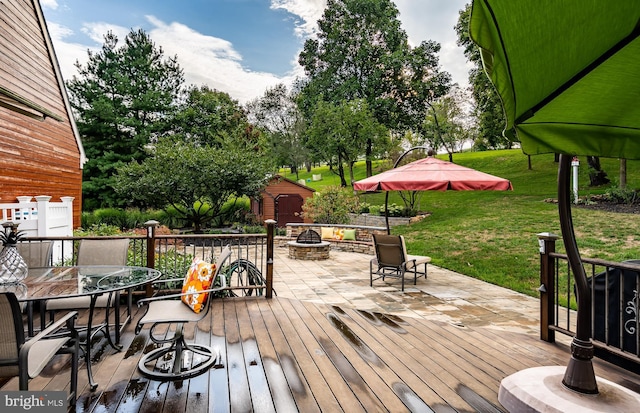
x: 288, y: 355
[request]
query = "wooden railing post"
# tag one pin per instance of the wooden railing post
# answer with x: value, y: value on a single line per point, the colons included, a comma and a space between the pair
x: 271, y: 225
x: 547, y: 242
x: 151, y: 250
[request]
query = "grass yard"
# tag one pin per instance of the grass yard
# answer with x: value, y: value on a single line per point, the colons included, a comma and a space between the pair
x: 492, y: 235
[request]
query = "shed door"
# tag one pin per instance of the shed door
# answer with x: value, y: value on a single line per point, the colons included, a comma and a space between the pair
x: 288, y: 209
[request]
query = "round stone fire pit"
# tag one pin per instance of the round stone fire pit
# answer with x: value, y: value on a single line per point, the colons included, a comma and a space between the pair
x: 309, y: 246
x: 305, y: 251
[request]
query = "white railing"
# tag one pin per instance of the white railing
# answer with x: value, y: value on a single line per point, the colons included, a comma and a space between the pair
x: 41, y: 218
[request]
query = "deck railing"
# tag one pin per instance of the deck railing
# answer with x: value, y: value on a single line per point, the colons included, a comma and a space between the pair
x: 615, y: 303
x: 249, y: 271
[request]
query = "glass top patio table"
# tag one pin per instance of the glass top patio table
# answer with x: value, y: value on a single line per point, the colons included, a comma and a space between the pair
x: 45, y: 283
x: 49, y: 283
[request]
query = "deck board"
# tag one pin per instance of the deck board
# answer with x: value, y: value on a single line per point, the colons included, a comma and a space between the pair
x: 405, y: 359
x: 321, y: 366
x: 282, y: 355
x: 292, y: 356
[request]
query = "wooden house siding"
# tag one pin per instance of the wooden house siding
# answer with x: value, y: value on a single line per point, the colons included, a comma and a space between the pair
x: 37, y: 157
x: 279, y: 186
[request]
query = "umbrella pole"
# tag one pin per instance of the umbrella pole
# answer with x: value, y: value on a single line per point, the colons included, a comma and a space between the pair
x: 386, y: 212
x: 579, y: 375
x: 386, y: 198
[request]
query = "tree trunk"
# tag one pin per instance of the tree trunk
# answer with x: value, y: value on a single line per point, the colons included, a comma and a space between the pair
x: 351, y: 172
x: 529, y: 161
x: 343, y: 181
x: 368, y: 158
x: 623, y: 173
x: 596, y: 175
x: 451, y: 157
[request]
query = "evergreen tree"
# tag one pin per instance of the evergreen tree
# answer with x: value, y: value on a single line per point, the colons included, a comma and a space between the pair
x: 121, y: 99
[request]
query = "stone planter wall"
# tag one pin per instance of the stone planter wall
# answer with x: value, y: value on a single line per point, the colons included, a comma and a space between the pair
x: 363, y: 243
x: 377, y: 220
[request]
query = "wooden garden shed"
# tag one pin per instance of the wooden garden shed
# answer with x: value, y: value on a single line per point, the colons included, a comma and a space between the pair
x: 282, y: 201
x: 40, y: 148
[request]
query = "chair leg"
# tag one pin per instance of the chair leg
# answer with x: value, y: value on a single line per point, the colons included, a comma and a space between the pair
x: 74, y: 372
x: 74, y: 350
x: 370, y: 274
x: 23, y: 378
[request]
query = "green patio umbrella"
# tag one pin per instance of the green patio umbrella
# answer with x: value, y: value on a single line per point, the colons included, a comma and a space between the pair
x: 568, y: 73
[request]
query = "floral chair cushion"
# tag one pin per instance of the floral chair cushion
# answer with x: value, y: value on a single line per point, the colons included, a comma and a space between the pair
x: 199, y: 277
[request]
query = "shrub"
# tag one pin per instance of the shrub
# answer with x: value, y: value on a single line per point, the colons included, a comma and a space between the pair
x: 234, y: 210
x: 395, y: 210
x: 621, y: 195
x: 117, y: 217
x: 99, y: 230
x: 172, y: 218
x: 254, y: 229
x: 331, y: 205
x: 364, y: 207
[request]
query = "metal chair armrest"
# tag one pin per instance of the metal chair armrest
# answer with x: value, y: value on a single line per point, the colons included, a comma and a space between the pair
x: 179, y: 295
x: 67, y: 319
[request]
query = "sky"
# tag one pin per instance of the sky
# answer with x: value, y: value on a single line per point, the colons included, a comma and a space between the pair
x: 242, y: 47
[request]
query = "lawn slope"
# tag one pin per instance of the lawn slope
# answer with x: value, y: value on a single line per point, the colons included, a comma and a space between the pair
x: 492, y: 235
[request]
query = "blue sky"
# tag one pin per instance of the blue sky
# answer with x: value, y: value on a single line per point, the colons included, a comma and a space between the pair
x: 241, y: 47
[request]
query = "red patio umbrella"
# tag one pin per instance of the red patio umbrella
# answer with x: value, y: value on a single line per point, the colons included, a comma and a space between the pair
x: 431, y: 174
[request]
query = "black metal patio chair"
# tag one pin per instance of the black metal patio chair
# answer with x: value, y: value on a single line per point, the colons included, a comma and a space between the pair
x: 392, y: 260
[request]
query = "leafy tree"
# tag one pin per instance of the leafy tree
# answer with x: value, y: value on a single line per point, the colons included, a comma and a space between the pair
x: 276, y: 112
x: 488, y: 109
x: 207, y: 116
x: 194, y: 180
x: 447, y: 125
x: 331, y: 205
x: 342, y: 132
x: 213, y: 155
x: 121, y: 99
x: 361, y: 52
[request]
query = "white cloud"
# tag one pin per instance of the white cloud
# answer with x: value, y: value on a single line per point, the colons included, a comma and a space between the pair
x: 208, y: 60
x: 49, y: 4
x: 67, y: 52
x: 96, y: 31
x: 309, y: 11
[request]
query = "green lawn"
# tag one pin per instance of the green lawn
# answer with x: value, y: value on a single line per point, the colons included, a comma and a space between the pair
x: 492, y: 235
